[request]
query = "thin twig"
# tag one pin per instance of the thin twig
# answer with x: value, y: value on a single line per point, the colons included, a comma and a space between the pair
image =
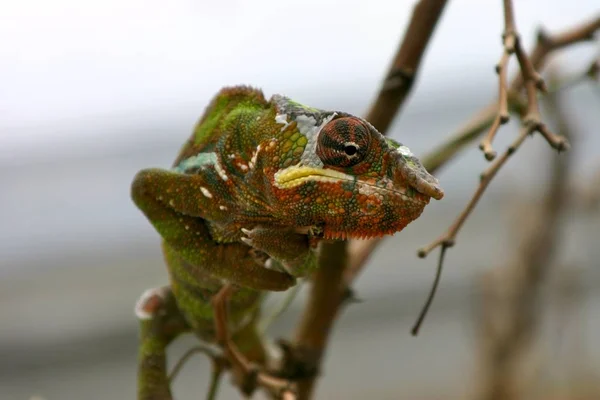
x: 509, y: 40
x: 509, y: 312
x: 448, y: 238
x: 547, y: 43
x: 215, y: 380
x: 360, y: 252
x: 569, y: 81
x: 534, y: 82
x: 210, y: 353
x: 283, y: 305
x: 381, y: 115
x: 532, y: 122
x: 436, y: 281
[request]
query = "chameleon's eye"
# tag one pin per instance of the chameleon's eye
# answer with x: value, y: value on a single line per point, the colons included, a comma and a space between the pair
x: 343, y: 142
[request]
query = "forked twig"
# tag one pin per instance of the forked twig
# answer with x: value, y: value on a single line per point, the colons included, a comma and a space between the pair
x: 436, y: 281
x: 317, y: 320
x: 509, y: 41
x: 448, y: 238
x: 546, y: 44
x: 531, y: 123
x: 509, y: 306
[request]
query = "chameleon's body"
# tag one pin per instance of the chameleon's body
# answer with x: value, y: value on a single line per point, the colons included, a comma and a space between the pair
x: 254, y: 190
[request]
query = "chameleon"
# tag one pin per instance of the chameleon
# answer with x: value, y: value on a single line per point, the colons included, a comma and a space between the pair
x: 254, y: 190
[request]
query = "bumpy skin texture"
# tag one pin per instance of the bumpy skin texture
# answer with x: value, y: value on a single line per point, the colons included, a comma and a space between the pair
x: 256, y: 187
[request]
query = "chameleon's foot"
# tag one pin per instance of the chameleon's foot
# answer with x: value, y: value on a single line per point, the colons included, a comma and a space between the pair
x: 151, y: 303
x: 160, y: 323
x: 248, y: 375
x: 289, y: 248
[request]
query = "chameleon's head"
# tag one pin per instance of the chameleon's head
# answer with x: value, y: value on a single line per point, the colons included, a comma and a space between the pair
x: 352, y: 181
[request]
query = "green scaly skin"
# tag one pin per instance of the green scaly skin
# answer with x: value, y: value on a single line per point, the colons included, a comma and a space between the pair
x: 252, y: 192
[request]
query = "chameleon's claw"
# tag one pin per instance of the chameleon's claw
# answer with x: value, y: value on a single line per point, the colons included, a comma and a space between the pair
x: 270, y: 263
x: 247, y: 241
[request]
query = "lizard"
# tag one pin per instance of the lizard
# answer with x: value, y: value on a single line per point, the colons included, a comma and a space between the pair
x: 254, y: 190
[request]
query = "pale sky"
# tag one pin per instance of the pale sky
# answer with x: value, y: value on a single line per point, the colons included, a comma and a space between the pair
x: 67, y: 60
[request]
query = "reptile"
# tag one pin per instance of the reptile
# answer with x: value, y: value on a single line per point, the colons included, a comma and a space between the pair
x: 254, y: 190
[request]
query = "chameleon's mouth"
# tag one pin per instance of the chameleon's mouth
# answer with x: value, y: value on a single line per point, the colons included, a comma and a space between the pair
x: 296, y: 175
x: 393, y: 206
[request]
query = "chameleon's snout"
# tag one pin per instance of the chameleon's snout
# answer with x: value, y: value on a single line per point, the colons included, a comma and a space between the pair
x: 415, y: 174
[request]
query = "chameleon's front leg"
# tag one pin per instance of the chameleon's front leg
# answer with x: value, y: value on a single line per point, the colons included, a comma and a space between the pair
x: 160, y: 323
x: 293, y: 249
x: 177, y: 205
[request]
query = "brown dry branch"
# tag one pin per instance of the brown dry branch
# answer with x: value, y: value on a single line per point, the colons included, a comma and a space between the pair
x: 360, y: 251
x: 403, y: 71
x: 509, y: 40
x: 509, y: 311
x: 574, y: 79
x: 593, y: 71
x: 547, y: 44
x: 448, y: 238
x: 531, y: 123
x: 324, y: 300
x: 531, y: 80
x: 328, y: 287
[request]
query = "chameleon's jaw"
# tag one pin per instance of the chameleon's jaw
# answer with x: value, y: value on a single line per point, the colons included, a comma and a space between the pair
x: 417, y: 178
x: 378, y: 212
x: 349, y: 206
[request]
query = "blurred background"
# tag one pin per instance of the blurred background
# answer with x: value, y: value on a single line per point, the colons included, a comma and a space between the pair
x: 91, y: 92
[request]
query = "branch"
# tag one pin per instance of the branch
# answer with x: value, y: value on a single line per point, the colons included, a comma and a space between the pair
x: 448, y: 238
x: 313, y: 332
x: 509, y: 40
x: 547, y: 43
x: 323, y: 304
x: 361, y: 250
x: 532, y: 122
x: 329, y: 287
x: 402, y: 73
x: 509, y: 313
